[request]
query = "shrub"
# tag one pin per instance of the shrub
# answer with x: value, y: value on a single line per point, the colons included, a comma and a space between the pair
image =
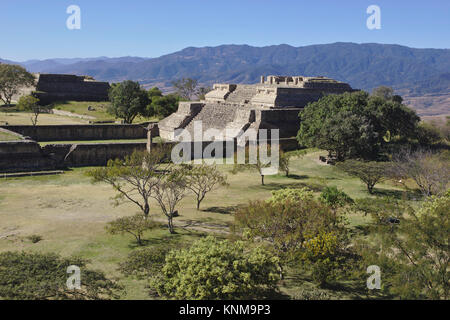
x: 217, y: 269
x: 135, y: 225
x: 37, y: 276
x: 34, y: 238
x: 144, y: 262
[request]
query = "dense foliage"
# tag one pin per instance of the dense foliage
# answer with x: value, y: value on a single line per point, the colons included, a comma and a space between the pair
x: 217, y: 269
x: 12, y: 79
x: 414, y: 254
x: 355, y: 125
x: 39, y: 276
x: 128, y: 100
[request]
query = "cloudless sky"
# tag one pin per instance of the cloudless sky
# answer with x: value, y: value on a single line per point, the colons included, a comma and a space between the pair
x: 36, y: 29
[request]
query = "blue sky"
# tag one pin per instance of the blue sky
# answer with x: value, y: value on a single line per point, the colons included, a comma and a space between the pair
x: 33, y: 29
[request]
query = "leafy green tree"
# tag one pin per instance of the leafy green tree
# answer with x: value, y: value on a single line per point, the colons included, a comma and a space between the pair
x: 217, y: 269
x: 335, y: 199
x: 285, y: 222
x: 128, y: 100
x: 186, y: 88
x: 144, y: 262
x: 202, y: 179
x: 369, y: 172
x: 43, y: 276
x: 428, y: 134
x: 12, y: 79
x: 354, y: 125
x: 135, y: 177
x: 163, y: 106
x: 30, y: 103
x: 414, y: 255
x: 135, y: 225
x: 383, y: 92
x: 321, y: 254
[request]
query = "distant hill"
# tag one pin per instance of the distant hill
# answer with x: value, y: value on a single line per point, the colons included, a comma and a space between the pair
x: 365, y: 66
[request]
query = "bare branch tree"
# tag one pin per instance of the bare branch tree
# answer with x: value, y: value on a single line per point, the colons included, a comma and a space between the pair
x: 430, y: 171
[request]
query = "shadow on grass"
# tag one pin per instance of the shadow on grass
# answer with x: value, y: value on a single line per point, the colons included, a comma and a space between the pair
x: 356, y: 289
x: 398, y: 194
x: 296, y: 185
x: 297, y: 177
x: 223, y: 210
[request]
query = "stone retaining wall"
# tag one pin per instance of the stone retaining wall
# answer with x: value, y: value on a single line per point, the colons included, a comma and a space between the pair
x: 20, y: 156
x: 79, y: 132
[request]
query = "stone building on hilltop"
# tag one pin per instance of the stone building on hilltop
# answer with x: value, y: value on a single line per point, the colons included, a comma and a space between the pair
x: 274, y: 103
x: 50, y: 88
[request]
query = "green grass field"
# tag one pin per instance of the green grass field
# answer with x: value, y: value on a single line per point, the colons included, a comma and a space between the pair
x: 70, y: 214
x: 13, y: 116
x: 100, y: 113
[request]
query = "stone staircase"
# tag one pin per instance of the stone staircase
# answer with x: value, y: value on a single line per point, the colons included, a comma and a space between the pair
x: 215, y: 116
x: 242, y: 94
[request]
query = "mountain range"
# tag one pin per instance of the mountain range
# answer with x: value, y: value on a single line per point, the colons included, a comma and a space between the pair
x: 411, y: 72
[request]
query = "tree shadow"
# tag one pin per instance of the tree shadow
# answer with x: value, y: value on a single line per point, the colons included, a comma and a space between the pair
x: 397, y: 194
x: 295, y: 185
x: 356, y: 289
x: 297, y: 177
x: 223, y: 209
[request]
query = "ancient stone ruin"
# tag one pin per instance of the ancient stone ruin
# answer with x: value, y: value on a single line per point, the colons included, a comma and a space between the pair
x: 274, y: 103
x: 63, y: 87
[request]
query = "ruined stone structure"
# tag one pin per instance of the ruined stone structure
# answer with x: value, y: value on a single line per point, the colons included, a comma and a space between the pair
x: 62, y: 87
x: 274, y: 103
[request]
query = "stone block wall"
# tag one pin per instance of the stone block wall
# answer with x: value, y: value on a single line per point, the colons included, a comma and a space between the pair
x: 60, y: 87
x: 80, y: 132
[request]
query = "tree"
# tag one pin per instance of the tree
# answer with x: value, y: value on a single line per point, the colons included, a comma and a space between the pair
x: 369, y: 172
x: 168, y: 192
x: 354, y: 125
x: 217, y: 269
x: 335, y: 199
x: 163, y: 106
x: 383, y: 92
x: 430, y: 171
x: 202, y: 91
x: 12, y: 79
x: 285, y: 159
x: 43, y: 276
x: 30, y: 103
x: 135, y: 225
x: 260, y: 163
x: 128, y: 100
x: 135, y: 177
x: 145, y: 262
x: 202, y: 179
x: 285, y: 222
x: 428, y: 134
x: 186, y: 88
x: 414, y: 255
